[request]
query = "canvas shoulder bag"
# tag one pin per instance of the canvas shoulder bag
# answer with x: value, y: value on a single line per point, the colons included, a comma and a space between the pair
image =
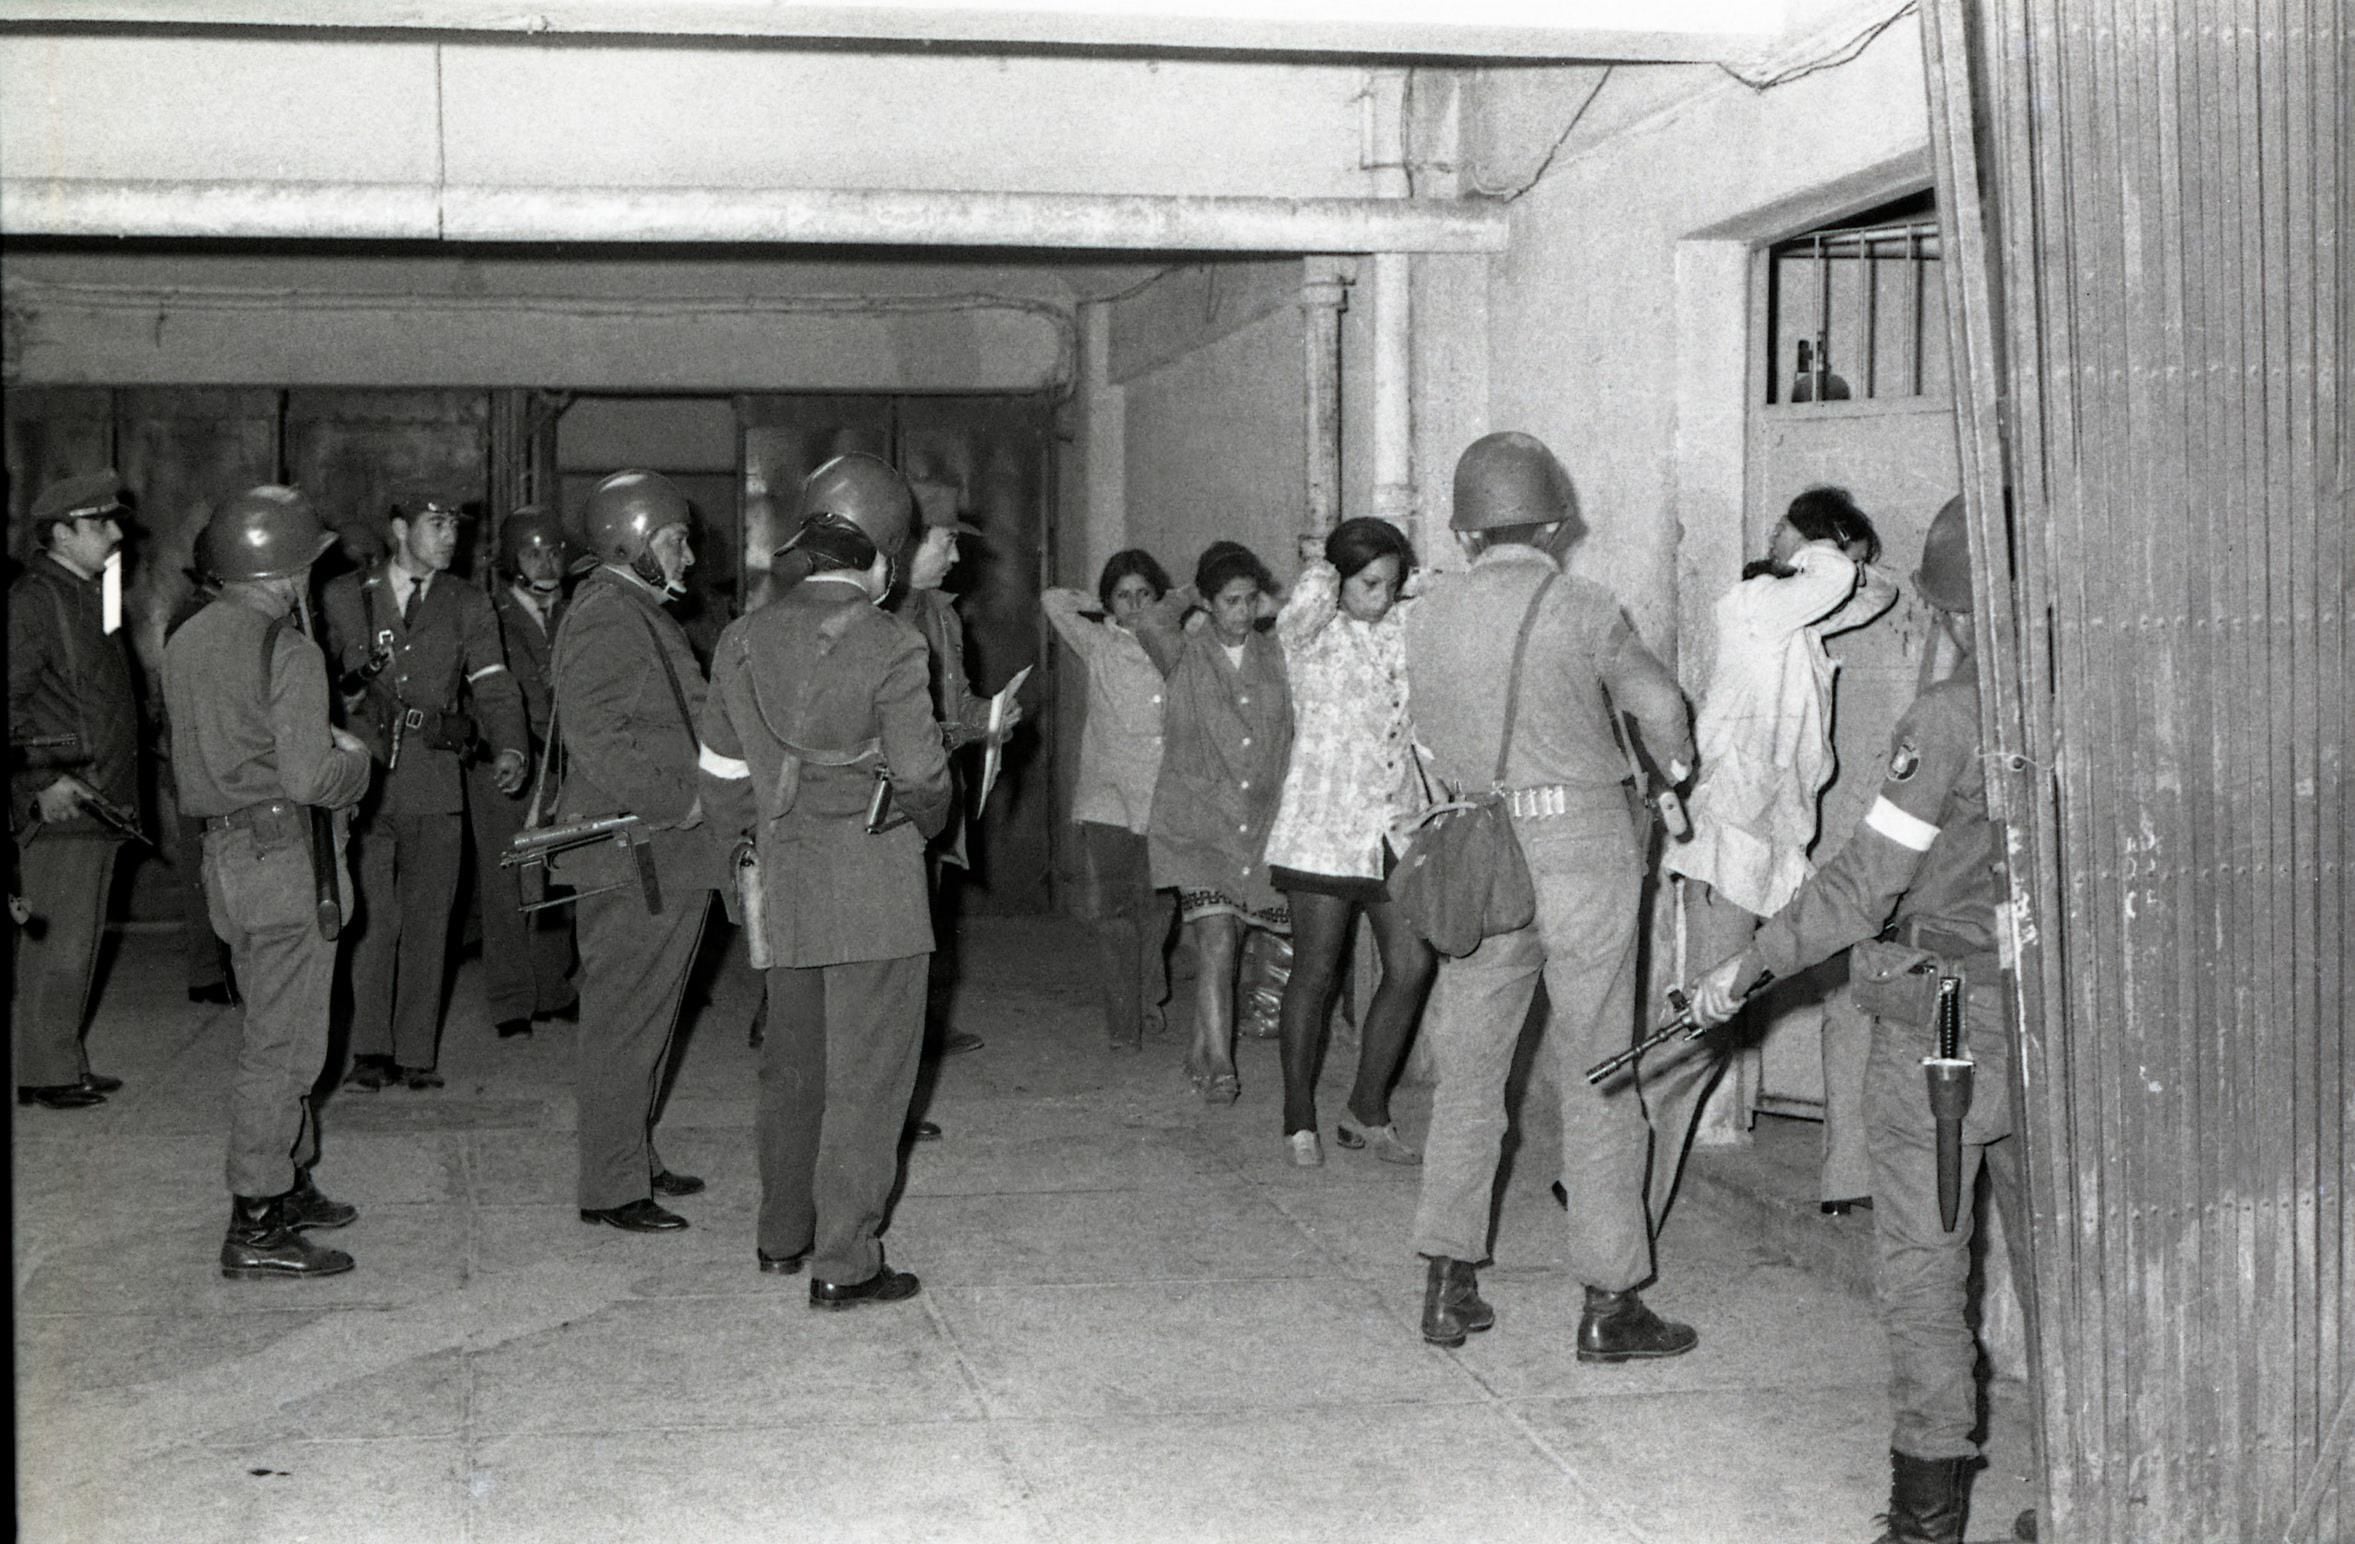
x: 1464, y: 878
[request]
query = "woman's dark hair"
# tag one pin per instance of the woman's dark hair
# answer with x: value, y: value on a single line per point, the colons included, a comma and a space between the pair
x: 1133, y: 560
x: 1355, y: 543
x: 1829, y: 514
x: 1224, y: 562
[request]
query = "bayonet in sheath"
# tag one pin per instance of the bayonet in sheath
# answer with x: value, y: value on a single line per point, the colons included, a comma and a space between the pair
x: 1949, y: 1076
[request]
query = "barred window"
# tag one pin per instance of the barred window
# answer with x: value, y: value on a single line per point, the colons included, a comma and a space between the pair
x: 1856, y: 310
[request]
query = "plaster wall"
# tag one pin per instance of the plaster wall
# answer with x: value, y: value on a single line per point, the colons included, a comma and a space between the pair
x: 572, y: 113
x: 1213, y: 447
x: 1584, y: 305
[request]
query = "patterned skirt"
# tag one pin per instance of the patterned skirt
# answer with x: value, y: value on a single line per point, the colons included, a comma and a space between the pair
x: 1194, y: 903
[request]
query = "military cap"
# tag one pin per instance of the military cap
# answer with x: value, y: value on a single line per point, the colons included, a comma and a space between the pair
x: 417, y: 495
x: 76, y: 498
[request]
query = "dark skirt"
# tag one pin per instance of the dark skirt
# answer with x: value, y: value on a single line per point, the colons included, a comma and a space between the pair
x: 1349, y: 887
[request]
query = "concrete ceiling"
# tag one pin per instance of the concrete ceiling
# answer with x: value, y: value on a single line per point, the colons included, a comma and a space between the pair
x: 1726, y: 31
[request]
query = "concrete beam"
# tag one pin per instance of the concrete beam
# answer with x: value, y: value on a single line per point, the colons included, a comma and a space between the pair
x: 1723, y: 31
x: 60, y: 334
x: 804, y: 216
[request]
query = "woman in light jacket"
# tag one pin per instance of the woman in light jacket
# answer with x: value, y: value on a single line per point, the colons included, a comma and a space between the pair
x: 1119, y: 759
x: 1352, y: 783
x: 1226, y: 732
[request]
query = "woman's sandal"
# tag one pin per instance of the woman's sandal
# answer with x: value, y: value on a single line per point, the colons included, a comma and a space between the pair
x: 1223, y: 1088
x: 1384, y: 1140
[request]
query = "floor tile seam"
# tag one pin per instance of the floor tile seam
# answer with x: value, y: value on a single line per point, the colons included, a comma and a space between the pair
x: 985, y: 1416
x: 1619, y: 1517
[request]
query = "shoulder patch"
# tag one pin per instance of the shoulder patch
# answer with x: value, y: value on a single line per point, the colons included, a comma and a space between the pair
x: 1904, y: 761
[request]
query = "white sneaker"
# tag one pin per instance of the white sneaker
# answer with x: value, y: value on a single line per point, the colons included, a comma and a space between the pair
x: 1307, y: 1151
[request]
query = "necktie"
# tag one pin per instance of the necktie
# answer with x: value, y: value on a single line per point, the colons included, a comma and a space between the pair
x: 409, y: 606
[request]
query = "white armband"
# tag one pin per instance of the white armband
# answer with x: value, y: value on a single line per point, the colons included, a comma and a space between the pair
x: 1906, y: 830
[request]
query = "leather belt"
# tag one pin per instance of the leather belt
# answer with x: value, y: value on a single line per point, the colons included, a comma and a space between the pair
x: 1950, y: 947
x: 253, y: 817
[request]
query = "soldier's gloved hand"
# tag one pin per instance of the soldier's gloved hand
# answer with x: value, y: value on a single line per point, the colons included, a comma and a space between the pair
x: 62, y: 800
x: 345, y: 740
x: 507, y: 772
x: 1718, y: 995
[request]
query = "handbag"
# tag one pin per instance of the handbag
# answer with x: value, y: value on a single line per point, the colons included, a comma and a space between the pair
x: 1464, y: 878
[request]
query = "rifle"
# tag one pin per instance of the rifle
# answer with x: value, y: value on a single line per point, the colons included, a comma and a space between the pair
x: 536, y: 847
x: 327, y: 895
x: 1680, y: 1022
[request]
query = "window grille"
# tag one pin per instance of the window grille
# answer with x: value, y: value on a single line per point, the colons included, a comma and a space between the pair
x: 1857, y: 312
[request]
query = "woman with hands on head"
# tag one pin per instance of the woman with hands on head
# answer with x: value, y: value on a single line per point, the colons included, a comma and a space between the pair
x: 1227, y: 733
x: 1119, y: 759
x: 1353, y: 787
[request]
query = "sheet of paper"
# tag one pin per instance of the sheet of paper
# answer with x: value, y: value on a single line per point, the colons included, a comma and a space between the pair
x: 994, y: 757
x: 110, y: 594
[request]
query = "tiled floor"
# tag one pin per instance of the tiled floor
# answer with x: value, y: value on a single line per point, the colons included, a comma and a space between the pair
x: 1138, y: 1323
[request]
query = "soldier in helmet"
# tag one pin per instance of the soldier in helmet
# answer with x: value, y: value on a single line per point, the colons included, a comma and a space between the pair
x: 1916, y: 890
x: 820, y: 742
x: 525, y: 959
x: 418, y: 652
x: 1549, y: 744
x: 628, y: 697
x: 73, y: 728
x: 253, y: 752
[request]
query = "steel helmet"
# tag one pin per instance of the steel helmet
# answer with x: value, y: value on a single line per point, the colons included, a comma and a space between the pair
x: 622, y: 515
x: 1507, y: 479
x: 532, y: 528
x: 270, y: 532
x: 1944, y: 577
x: 863, y: 491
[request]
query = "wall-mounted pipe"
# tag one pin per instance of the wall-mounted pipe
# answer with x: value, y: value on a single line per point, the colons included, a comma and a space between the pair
x: 1324, y: 290
x: 814, y: 216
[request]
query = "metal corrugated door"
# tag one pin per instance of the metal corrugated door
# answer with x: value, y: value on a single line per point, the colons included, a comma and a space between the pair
x: 2149, y: 211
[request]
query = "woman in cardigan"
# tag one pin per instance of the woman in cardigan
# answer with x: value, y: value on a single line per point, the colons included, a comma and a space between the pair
x: 1119, y: 758
x: 1226, y: 732
x: 1352, y: 783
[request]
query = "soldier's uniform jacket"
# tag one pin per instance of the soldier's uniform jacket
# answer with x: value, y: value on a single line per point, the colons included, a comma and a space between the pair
x: 67, y: 676
x: 238, y: 740
x: 963, y: 716
x: 809, y: 694
x: 628, y: 696
x: 530, y: 646
x: 1926, y: 862
x: 451, y: 655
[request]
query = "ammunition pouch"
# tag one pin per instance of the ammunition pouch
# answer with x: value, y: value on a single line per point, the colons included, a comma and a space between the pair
x: 1895, y: 981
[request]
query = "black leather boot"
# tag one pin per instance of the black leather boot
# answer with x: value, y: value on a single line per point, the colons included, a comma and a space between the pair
x: 305, y: 1207
x: 262, y: 1243
x: 1927, y: 1499
x: 1452, y: 1305
x: 1617, y: 1327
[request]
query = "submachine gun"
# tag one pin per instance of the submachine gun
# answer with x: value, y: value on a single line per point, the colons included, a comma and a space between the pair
x: 1680, y: 1022
x: 533, y: 848
x: 123, y: 822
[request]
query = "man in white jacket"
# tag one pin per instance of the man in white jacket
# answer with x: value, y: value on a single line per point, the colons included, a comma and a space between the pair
x: 1766, y: 754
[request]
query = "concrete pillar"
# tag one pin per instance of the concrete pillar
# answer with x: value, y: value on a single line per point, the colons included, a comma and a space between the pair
x: 1102, y: 527
x: 1324, y: 291
x: 1388, y: 152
